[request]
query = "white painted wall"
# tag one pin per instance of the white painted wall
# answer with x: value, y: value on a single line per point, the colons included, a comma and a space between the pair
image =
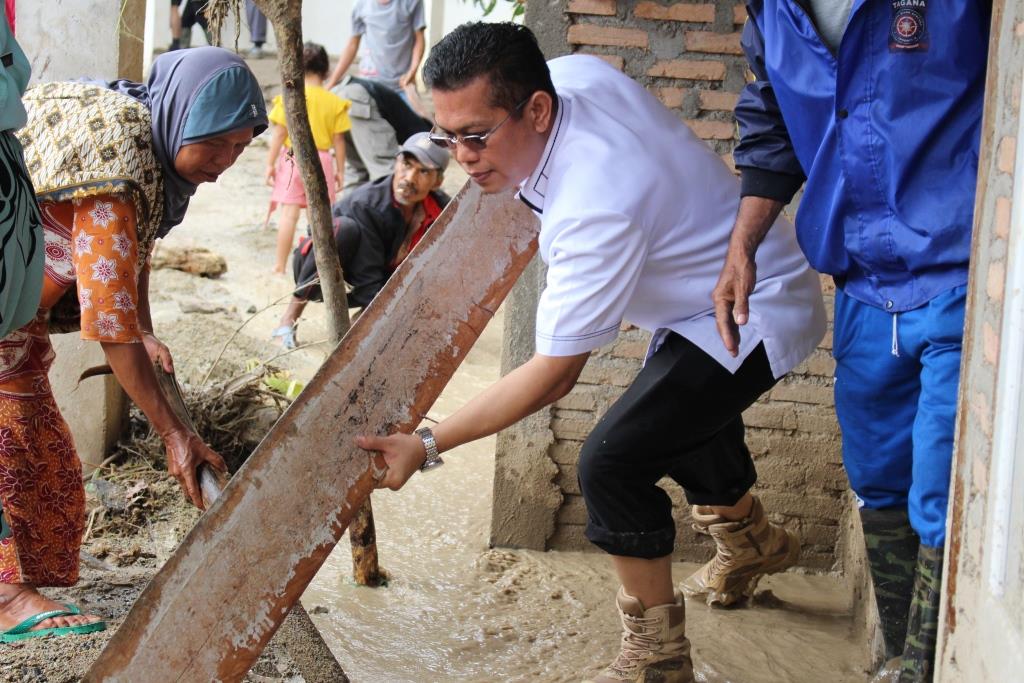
x: 327, y: 22
x: 51, y: 34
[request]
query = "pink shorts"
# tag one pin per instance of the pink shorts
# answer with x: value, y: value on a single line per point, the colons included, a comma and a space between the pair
x: 288, y: 187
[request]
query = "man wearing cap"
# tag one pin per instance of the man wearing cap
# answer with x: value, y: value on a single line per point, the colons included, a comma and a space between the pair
x: 375, y: 228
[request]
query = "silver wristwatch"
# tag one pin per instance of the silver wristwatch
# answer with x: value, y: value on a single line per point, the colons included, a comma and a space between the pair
x: 430, y: 446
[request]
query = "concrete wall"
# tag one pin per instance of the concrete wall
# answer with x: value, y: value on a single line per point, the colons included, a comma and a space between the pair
x: 329, y: 23
x: 66, y: 39
x: 51, y: 34
x: 981, y: 622
x: 94, y: 408
x: 689, y: 56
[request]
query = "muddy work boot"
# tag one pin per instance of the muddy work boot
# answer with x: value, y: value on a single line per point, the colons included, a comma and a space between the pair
x: 891, y: 546
x: 746, y: 551
x: 923, y: 622
x: 654, y: 644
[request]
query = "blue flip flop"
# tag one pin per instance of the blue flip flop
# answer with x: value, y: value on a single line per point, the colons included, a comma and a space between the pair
x: 286, y: 333
x: 23, y: 631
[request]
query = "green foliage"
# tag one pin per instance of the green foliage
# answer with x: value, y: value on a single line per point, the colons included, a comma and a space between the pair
x: 278, y: 381
x: 488, y: 6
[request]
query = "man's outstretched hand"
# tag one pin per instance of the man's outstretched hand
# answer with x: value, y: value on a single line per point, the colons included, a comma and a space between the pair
x: 404, y: 454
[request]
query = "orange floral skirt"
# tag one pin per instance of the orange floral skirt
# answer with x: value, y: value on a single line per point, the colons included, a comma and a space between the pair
x: 42, y: 501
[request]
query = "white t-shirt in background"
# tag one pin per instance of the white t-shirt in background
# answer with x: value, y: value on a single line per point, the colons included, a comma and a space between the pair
x: 388, y: 33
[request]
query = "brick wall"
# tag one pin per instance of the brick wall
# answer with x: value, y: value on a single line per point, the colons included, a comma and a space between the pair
x: 689, y: 56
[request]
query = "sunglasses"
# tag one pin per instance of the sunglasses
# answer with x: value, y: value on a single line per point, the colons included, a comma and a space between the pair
x: 477, y: 141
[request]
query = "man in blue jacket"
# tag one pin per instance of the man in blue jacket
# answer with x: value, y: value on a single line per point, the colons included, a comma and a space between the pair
x: 877, y: 107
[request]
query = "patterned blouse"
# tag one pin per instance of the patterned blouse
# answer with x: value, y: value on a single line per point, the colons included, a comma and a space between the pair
x: 93, y: 241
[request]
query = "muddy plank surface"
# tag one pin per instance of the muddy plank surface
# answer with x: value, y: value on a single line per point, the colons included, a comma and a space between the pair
x: 218, y: 600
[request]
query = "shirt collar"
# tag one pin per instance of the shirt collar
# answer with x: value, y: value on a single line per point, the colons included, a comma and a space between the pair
x: 533, y: 190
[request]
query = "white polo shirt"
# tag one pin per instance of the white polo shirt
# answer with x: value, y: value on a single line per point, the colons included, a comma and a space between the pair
x: 636, y: 214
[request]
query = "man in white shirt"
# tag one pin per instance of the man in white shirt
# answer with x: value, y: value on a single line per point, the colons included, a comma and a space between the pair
x: 636, y: 215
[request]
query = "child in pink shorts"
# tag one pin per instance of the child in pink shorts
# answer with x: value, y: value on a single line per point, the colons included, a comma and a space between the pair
x: 328, y: 119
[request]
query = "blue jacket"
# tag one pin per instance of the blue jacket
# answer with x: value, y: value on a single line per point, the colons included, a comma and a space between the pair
x: 885, y: 132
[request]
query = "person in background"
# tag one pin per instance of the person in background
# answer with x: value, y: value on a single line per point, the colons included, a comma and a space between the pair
x: 878, y: 108
x: 328, y: 119
x: 114, y: 166
x: 394, y: 31
x: 380, y: 118
x: 183, y: 18
x: 257, y: 29
x: 375, y: 228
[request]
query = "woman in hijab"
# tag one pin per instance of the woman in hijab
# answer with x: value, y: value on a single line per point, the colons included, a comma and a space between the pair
x: 114, y: 167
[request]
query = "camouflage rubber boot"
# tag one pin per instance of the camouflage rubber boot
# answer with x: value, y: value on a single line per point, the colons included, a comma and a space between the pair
x: 654, y: 644
x: 923, y: 624
x: 892, y: 554
x: 746, y: 551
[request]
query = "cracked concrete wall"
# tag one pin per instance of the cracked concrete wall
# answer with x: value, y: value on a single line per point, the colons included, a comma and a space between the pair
x: 69, y: 39
x: 51, y: 34
x: 689, y: 56
x: 980, y: 621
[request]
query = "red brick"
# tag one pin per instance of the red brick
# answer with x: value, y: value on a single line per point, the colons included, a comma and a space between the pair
x: 990, y: 343
x: 614, y: 36
x: 730, y: 162
x: 679, y: 11
x: 573, y: 511
x: 1003, y: 207
x: 689, y: 69
x: 1007, y: 154
x: 819, y: 363
x: 718, y: 100
x: 605, y: 7
x: 571, y: 538
x: 582, y: 397
x: 571, y: 429
x: 802, y: 392
x: 619, y: 375
x: 631, y: 348
x: 826, y: 342
x: 719, y: 43
x: 805, y: 448
x: 817, y: 422
x: 616, y: 61
x: 671, y: 97
x: 739, y: 14
x: 565, y: 452
x: 712, y: 130
x: 770, y: 415
x: 995, y: 279
x: 981, y: 411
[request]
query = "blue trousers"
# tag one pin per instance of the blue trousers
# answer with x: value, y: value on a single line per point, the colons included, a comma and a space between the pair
x: 896, y: 390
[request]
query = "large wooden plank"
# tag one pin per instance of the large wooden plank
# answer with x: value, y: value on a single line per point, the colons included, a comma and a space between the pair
x: 211, y: 609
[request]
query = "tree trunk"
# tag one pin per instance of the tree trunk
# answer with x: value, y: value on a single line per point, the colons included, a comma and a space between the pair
x: 286, y: 18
